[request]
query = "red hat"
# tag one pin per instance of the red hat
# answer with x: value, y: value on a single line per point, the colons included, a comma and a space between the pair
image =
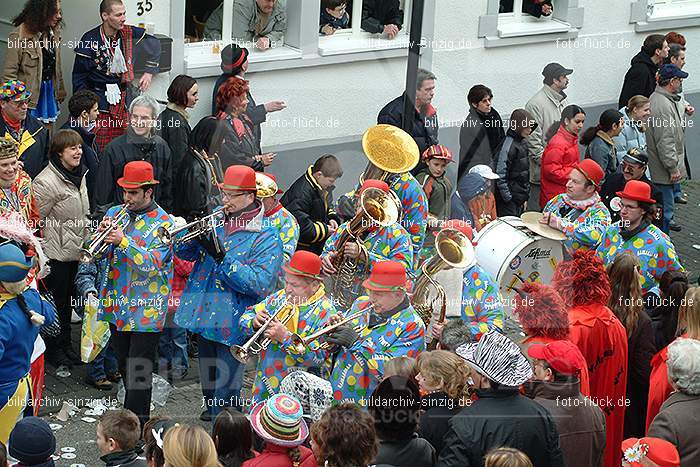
x: 305, y: 264
x: 637, y: 190
x: 239, y: 177
x: 374, y: 184
x: 659, y: 451
x: 386, y: 276
x: 437, y: 151
x: 462, y: 226
x: 563, y: 356
x: 137, y: 174
x: 592, y: 171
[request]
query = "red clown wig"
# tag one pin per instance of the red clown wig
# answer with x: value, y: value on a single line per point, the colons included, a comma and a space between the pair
x: 582, y: 280
x: 542, y: 312
x: 231, y: 95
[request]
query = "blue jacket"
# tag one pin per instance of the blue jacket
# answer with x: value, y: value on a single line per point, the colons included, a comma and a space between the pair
x: 216, y: 295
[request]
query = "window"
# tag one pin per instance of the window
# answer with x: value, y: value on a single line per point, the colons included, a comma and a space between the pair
x: 512, y: 22
x: 356, y: 39
x: 659, y: 15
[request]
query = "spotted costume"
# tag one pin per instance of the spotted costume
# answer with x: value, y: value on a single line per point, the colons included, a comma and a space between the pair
x: 359, y: 369
x: 280, y: 359
x: 584, y: 221
x: 288, y: 230
x: 651, y: 246
x: 482, y: 306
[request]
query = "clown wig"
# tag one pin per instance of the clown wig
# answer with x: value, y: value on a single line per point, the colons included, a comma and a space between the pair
x: 541, y: 312
x: 582, y: 280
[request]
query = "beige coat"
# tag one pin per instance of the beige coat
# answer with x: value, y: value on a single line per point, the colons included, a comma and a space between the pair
x: 24, y: 61
x: 665, y: 137
x: 63, y: 210
x: 545, y: 107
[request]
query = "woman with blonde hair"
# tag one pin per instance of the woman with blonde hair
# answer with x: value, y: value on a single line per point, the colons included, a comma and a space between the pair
x: 636, y: 115
x: 688, y: 328
x: 189, y: 446
x: 443, y: 380
x: 627, y: 303
x: 506, y: 457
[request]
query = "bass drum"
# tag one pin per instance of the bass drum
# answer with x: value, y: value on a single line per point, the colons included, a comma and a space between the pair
x: 512, y: 254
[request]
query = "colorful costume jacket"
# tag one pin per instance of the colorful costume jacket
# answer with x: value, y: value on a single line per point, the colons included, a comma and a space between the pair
x: 382, y: 244
x: 288, y: 231
x: 583, y: 228
x: 602, y: 340
x: 651, y: 246
x: 280, y: 359
x: 216, y: 295
x: 134, y: 293
x: 359, y: 369
x: 482, y: 304
x: 20, y: 198
x: 17, y: 336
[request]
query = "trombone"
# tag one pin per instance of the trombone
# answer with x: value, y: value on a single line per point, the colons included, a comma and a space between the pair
x: 301, y: 344
x: 254, y: 345
x: 194, y: 229
x: 97, y: 246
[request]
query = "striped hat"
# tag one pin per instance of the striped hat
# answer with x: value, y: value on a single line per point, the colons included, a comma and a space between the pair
x: 437, y: 151
x: 498, y: 358
x: 279, y: 421
x: 8, y: 148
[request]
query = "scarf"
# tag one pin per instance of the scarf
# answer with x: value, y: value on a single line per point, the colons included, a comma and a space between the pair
x: 133, y: 214
x: 239, y: 220
x: 74, y: 176
x: 493, y: 126
x: 179, y: 109
x: 627, y: 234
x: 274, y: 209
x: 14, y: 126
x: 580, y: 205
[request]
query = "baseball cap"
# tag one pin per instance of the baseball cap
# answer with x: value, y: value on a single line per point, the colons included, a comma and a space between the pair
x: 555, y: 70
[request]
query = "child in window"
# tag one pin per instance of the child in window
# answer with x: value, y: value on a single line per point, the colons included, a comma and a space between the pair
x: 333, y: 16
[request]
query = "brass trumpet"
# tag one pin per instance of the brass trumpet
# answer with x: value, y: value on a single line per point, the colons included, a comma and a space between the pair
x: 194, y: 229
x: 255, y: 345
x: 301, y: 344
x: 97, y: 246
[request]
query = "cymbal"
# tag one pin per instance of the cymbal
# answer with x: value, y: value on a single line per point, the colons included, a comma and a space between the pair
x: 531, y: 219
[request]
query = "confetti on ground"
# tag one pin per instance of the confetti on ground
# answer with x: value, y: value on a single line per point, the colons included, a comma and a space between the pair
x: 696, y: 246
x: 88, y: 419
x: 68, y: 455
x: 55, y: 426
x: 62, y: 372
x: 68, y: 449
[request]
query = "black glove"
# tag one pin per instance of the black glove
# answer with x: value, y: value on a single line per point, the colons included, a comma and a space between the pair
x: 343, y: 336
x: 212, y: 246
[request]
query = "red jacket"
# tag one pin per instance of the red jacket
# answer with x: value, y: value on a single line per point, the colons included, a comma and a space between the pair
x: 659, y: 387
x: 277, y: 456
x: 559, y: 157
x: 602, y: 340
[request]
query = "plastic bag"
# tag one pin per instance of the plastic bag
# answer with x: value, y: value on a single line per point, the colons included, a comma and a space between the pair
x: 159, y: 395
x: 95, y: 333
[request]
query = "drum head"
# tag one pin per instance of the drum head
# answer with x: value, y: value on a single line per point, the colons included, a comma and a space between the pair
x: 531, y: 219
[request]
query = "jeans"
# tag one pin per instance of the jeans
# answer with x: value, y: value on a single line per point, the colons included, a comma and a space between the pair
x: 136, y: 354
x: 104, y: 364
x: 667, y: 192
x: 677, y: 192
x: 221, y: 376
x: 172, y: 348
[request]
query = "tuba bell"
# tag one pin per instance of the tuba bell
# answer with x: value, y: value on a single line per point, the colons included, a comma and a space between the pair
x: 390, y: 150
x: 378, y: 208
x: 453, y: 249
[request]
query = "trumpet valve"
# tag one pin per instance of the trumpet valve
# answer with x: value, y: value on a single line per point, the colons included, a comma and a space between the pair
x: 239, y: 353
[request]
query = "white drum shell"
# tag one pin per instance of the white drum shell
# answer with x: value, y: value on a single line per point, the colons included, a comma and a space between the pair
x: 511, y: 253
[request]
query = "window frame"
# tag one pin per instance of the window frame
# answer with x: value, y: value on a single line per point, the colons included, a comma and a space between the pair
x: 307, y: 54
x: 643, y: 17
x: 506, y: 29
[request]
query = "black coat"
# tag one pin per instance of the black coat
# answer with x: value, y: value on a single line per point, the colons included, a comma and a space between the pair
x: 117, y: 154
x: 89, y: 160
x: 36, y: 156
x: 413, y: 452
x: 513, y: 165
x: 175, y: 130
x: 196, y: 195
x: 641, y: 349
x: 640, y: 79
x: 378, y: 13
x: 433, y: 423
x: 479, y: 137
x: 255, y: 112
x: 425, y: 127
x: 616, y: 182
x: 501, y: 418
x: 313, y: 209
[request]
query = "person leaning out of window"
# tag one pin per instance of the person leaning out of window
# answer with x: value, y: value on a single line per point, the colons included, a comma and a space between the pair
x: 382, y: 17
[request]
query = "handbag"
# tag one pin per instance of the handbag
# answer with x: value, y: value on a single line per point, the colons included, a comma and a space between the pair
x: 53, y: 330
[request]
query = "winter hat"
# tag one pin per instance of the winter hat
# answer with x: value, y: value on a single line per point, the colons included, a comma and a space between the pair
x: 315, y: 394
x: 279, y: 420
x: 498, y: 358
x: 32, y: 442
x: 8, y: 148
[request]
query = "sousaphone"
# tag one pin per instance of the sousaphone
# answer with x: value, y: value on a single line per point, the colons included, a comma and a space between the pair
x: 390, y: 150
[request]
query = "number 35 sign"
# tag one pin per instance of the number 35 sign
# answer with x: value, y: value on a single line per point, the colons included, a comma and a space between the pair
x: 143, y: 7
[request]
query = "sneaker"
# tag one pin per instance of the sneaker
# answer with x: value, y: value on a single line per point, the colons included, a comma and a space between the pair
x: 205, y: 416
x: 675, y: 227
x: 114, y: 377
x: 101, y: 384
x: 682, y: 199
x: 75, y: 318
